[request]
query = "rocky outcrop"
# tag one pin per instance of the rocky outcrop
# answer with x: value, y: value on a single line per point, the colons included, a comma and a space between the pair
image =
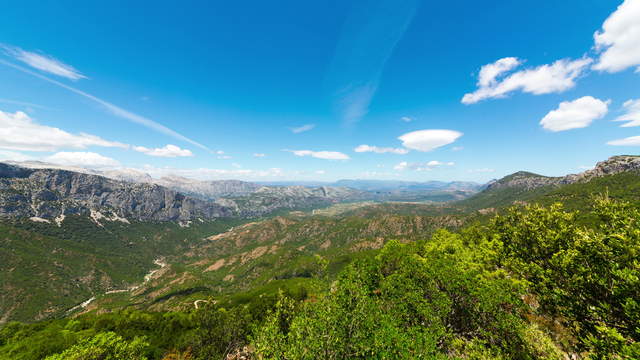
x: 207, y: 189
x: 613, y: 165
x: 524, y: 180
x: 50, y: 193
x: 528, y: 181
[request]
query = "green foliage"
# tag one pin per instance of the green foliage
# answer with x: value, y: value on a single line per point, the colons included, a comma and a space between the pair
x: 588, y: 277
x: 55, y: 268
x: 411, y: 301
x: 533, y: 283
x: 106, y: 346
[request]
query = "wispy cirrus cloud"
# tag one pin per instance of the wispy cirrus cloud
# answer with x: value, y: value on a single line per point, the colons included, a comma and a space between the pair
x: 24, y: 104
x: 303, y: 128
x: 367, y: 41
x: 632, y: 113
x: 43, y: 62
x: 380, y: 150
x: 113, y: 109
x: 630, y: 141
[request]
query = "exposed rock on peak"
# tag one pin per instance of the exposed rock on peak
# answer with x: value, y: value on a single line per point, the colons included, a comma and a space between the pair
x: 524, y: 179
x: 527, y: 180
x: 50, y: 193
x: 611, y: 166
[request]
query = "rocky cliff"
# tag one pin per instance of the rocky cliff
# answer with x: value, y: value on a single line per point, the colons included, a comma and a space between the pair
x: 207, y: 189
x: 526, y: 180
x: 51, y: 193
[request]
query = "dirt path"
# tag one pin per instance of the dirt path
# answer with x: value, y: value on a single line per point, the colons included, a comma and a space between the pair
x: 159, y: 262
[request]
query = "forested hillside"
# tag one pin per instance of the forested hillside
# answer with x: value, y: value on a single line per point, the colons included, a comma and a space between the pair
x: 530, y: 268
x: 529, y: 284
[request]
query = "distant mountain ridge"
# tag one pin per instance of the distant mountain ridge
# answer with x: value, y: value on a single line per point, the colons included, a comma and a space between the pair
x: 51, y: 194
x: 618, y: 173
x: 613, y: 165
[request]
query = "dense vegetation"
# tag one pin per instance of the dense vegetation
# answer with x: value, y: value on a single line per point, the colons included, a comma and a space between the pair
x: 532, y: 283
x: 47, y: 269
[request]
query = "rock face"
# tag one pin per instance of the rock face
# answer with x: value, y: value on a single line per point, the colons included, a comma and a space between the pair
x: 613, y: 165
x: 207, y: 189
x: 525, y: 180
x: 50, y: 193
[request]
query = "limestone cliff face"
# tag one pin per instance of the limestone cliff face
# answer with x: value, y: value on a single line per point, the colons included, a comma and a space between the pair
x: 50, y: 193
x: 613, y: 165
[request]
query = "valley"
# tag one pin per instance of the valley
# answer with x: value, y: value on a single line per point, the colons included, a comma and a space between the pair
x: 77, y: 252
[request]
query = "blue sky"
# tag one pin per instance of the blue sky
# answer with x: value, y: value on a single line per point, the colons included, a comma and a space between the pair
x: 292, y: 90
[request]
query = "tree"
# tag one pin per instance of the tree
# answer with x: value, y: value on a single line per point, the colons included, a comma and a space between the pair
x: 105, y: 346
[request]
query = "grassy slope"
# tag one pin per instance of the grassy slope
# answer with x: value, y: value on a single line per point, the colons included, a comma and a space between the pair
x: 48, y: 269
x: 283, y: 251
x: 56, y: 268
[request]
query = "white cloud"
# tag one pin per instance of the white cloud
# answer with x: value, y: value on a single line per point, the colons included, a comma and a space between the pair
x: 320, y: 172
x: 14, y: 156
x: 401, y: 166
x: 630, y: 141
x: 327, y: 155
x: 425, y: 166
x: 490, y: 72
x: 303, y: 128
x: 220, y: 152
x: 211, y: 174
x: 632, y: 114
x: 224, y: 157
x: 406, y: 119
x: 544, y: 79
x: 259, y: 155
x: 43, y: 62
x: 169, y: 151
x: 457, y: 148
x: 380, y: 150
x: 83, y: 159
x: 618, y: 41
x: 19, y: 132
x: 575, y: 114
x: 427, y: 140
x: 113, y: 109
x: 481, y: 170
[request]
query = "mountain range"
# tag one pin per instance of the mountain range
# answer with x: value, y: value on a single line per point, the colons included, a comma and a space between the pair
x: 93, y: 237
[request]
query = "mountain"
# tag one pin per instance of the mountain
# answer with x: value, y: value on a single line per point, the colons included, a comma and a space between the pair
x: 617, y: 175
x: 266, y: 200
x: 51, y: 194
x: 261, y: 256
x: 207, y: 189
